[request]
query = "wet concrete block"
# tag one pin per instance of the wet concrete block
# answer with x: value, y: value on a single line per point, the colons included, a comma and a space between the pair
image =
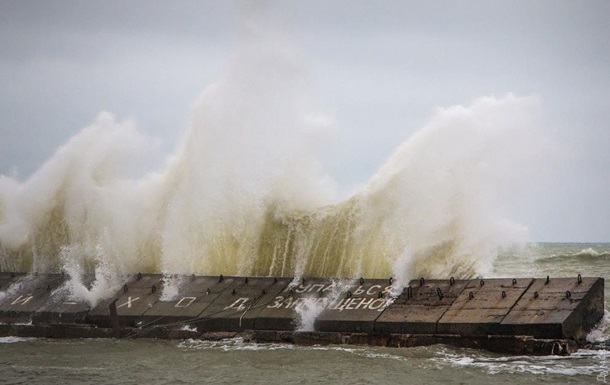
x: 55, y: 331
x: 356, y: 308
x: 268, y: 336
x: 26, y: 295
x: 469, y: 313
x: 419, y: 307
x: 218, y: 336
x: 62, y: 310
x: 282, y: 312
x: 138, y: 295
x: 7, y: 291
x: 165, y: 332
x: 319, y: 338
x: 239, y: 305
x: 557, y: 308
x: 194, y: 295
x: 481, y: 307
x: 40, y: 299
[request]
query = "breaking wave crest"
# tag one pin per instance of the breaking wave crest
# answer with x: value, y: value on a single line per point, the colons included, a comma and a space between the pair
x: 589, y: 366
x: 245, y: 194
x: 585, y: 255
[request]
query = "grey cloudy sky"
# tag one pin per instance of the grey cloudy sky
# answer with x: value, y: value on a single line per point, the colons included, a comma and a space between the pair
x: 379, y: 68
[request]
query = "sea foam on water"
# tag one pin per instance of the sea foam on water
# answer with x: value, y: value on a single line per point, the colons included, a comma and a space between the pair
x: 245, y: 193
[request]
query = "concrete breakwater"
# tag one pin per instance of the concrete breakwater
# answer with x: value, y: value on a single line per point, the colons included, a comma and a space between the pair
x: 513, y: 315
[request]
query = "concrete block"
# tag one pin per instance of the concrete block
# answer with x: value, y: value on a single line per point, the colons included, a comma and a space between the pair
x: 237, y: 307
x: 40, y: 299
x: 482, y: 306
x: 282, y: 312
x: 194, y: 295
x: 356, y: 308
x: 557, y: 308
x: 140, y: 293
x: 419, y: 307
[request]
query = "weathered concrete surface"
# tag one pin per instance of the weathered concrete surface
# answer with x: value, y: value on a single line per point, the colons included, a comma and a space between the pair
x: 237, y: 307
x: 419, y: 307
x: 336, y: 305
x: 193, y: 296
x: 55, y: 331
x: 557, y: 308
x: 482, y: 306
x: 39, y: 299
x: 138, y: 295
x: 477, y: 313
x: 356, y: 308
x: 282, y: 312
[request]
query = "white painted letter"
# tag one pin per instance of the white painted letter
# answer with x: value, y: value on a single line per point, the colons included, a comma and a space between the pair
x: 277, y: 304
x: 377, y: 304
x: 365, y: 302
x: 238, y: 304
x: 352, y: 302
x: 373, y: 289
x: 359, y: 290
x: 187, y: 302
x: 22, y: 301
x: 341, y: 305
x: 128, y: 303
x: 313, y: 287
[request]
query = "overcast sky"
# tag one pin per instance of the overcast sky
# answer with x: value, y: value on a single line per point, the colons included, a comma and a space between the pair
x: 378, y: 68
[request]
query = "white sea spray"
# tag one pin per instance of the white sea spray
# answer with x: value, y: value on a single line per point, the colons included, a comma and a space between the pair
x: 245, y: 194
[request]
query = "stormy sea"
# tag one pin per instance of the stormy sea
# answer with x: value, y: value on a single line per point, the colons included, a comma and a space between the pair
x: 42, y: 361
x: 245, y: 193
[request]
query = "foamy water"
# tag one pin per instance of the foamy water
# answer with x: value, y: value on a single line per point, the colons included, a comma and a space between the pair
x: 238, y: 361
x: 14, y: 340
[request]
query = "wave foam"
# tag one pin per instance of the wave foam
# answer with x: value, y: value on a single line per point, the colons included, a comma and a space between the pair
x: 245, y: 193
x: 584, y: 363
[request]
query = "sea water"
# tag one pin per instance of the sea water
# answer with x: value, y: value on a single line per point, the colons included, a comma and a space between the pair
x: 98, y: 361
x: 245, y: 193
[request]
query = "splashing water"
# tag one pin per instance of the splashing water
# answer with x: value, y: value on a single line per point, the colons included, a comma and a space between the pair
x: 245, y: 194
x: 601, y: 331
x: 311, y: 307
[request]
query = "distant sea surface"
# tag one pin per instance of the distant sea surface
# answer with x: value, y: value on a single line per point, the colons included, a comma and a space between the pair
x: 42, y: 361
